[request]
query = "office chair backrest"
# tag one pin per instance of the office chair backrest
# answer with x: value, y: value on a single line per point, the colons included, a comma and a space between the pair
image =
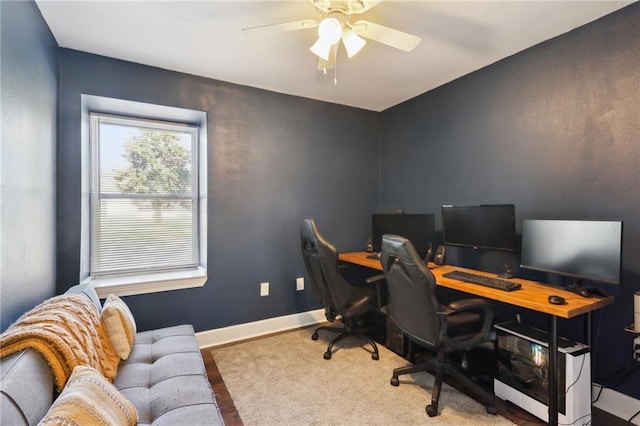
x: 413, y: 304
x: 321, y: 261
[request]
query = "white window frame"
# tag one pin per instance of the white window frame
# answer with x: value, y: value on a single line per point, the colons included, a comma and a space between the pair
x: 124, y: 285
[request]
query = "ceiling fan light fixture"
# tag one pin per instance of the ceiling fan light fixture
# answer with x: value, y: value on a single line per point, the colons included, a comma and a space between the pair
x: 329, y: 31
x: 321, y: 49
x: 353, y: 43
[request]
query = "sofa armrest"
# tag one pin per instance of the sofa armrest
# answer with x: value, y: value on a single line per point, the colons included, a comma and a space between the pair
x: 26, y: 388
x: 88, y: 291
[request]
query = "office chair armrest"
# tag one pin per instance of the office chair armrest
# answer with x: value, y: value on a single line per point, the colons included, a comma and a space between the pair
x: 485, y: 333
x: 375, y: 279
x: 381, y: 288
x: 466, y: 304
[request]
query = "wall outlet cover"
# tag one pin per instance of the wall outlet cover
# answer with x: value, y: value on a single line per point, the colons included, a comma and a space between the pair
x: 264, y: 289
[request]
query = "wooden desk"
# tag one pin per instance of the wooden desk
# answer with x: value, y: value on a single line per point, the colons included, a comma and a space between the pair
x: 533, y: 295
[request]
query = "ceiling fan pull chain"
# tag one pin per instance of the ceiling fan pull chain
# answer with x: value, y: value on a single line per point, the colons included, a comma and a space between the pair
x: 335, y: 66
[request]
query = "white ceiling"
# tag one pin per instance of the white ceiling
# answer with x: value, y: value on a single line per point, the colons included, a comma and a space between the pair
x: 204, y: 38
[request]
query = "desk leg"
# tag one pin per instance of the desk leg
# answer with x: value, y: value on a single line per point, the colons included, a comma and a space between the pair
x: 553, y: 370
x: 588, y: 331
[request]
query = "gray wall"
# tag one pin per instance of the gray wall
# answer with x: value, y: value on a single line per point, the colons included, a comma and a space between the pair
x: 272, y: 160
x: 29, y: 70
x: 555, y: 130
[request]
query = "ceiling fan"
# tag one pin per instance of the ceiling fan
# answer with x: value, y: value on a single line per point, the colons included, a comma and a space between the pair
x: 335, y: 25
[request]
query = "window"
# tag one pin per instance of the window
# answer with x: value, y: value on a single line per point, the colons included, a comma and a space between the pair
x: 146, y: 211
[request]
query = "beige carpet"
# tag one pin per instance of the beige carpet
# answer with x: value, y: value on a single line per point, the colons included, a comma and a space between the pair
x: 284, y: 380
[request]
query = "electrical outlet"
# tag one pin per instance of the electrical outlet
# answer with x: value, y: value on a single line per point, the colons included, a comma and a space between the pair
x: 299, y: 283
x: 636, y: 348
x: 264, y: 289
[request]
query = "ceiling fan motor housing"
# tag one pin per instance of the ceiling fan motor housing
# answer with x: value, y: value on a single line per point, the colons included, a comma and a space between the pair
x: 345, y: 8
x: 356, y: 6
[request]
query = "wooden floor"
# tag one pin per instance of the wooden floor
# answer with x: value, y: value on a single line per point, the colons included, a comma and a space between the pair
x: 225, y: 403
x: 505, y: 409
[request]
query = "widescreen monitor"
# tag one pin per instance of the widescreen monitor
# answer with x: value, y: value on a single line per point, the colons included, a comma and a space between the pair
x: 581, y: 249
x: 488, y: 226
x: 419, y: 228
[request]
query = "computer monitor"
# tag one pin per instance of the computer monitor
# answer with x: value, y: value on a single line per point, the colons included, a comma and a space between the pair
x: 419, y: 228
x: 488, y: 226
x: 580, y: 249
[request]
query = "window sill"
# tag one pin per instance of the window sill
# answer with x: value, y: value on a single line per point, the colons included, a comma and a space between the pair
x: 151, y: 283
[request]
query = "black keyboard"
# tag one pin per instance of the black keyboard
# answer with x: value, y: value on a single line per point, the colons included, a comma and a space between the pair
x: 492, y: 282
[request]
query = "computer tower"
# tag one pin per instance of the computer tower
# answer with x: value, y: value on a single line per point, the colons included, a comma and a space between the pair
x: 523, y: 373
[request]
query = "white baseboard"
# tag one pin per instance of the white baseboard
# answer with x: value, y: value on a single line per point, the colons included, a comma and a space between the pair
x: 235, y: 333
x: 618, y: 404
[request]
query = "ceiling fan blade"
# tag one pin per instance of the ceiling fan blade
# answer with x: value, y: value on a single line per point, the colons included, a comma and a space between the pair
x: 385, y: 35
x: 282, y: 27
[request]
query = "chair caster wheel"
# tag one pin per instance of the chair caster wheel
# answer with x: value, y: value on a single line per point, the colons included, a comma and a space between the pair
x: 395, y: 381
x: 492, y: 410
x: 314, y: 336
x: 375, y: 357
x: 327, y: 355
x: 431, y: 411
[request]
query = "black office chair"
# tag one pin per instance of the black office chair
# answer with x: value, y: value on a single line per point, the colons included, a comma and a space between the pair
x: 339, y: 298
x: 414, y: 306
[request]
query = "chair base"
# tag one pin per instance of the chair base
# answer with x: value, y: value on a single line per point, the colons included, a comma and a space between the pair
x: 345, y: 332
x: 444, y: 368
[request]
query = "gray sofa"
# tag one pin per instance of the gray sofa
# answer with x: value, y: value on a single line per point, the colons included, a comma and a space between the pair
x: 164, y: 377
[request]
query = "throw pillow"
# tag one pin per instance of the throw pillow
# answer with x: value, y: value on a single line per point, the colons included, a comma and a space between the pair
x: 120, y: 325
x: 89, y: 399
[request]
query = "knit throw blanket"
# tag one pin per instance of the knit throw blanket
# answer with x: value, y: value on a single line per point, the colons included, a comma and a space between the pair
x: 66, y: 330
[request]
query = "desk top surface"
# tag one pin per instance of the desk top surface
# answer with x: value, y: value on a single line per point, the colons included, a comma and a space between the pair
x: 533, y: 295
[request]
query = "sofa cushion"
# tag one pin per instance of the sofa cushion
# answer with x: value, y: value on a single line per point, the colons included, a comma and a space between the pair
x: 89, y: 399
x: 164, y: 377
x: 120, y: 325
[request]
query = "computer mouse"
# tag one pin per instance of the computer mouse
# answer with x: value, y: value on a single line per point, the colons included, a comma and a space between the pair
x: 582, y: 291
x: 556, y: 300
